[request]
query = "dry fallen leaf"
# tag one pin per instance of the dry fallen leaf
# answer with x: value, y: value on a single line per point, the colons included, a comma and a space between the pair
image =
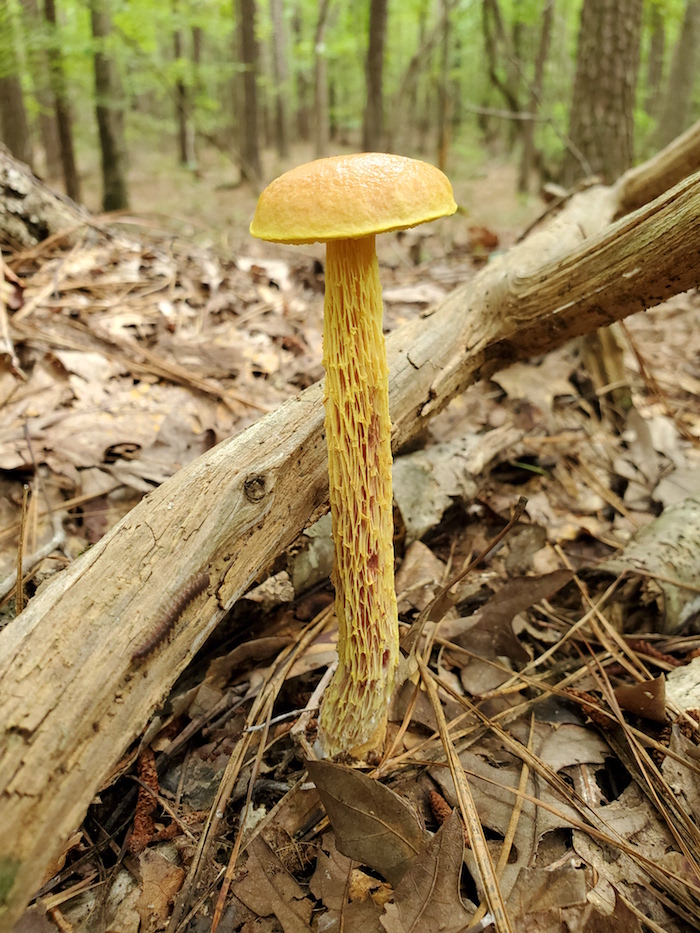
x: 330, y: 878
x: 647, y: 699
x: 427, y: 897
x: 492, y: 634
x: 371, y: 823
x: 161, y: 881
x: 268, y: 888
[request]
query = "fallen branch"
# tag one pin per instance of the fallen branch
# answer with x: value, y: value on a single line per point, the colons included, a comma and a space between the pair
x: 29, y: 211
x: 71, y: 695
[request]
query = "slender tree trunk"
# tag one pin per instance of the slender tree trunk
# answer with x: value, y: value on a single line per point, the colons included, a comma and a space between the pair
x: 321, y: 83
x: 14, y: 127
x: 675, y: 113
x: 527, y: 160
x: 110, y: 115
x: 655, y: 61
x: 303, y: 126
x: 197, y: 37
x: 601, y: 127
x: 514, y: 67
x: 456, y: 111
x: 280, y: 72
x: 62, y: 107
x: 500, y: 57
x: 248, y: 136
x: 39, y: 68
x: 443, y: 91
x: 373, y: 127
x: 180, y: 91
x: 601, y: 134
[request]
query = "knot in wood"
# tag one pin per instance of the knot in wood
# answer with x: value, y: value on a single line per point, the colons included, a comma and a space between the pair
x: 254, y: 488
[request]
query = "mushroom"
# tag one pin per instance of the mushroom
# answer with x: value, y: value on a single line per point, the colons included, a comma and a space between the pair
x: 344, y: 201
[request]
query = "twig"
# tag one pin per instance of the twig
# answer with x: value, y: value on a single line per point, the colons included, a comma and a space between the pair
x: 19, y: 593
x: 467, y: 807
x: 30, y: 562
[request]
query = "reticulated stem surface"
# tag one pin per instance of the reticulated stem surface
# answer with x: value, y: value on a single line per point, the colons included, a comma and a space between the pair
x: 358, y: 431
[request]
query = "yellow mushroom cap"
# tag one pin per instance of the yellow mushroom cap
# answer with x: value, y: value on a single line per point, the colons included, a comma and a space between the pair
x: 350, y: 196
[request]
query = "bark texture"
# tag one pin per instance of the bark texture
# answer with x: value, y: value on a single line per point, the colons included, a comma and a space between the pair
x: 601, y: 128
x: 14, y: 127
x: 373, y: 126
x: 321, y: 122
x: 301, y: 80
x: 655, y: 60
x: 280, y: 73
x: 527, y: 159
x: 650, y: 179
x: 181, y: 104
x: 37, y: 60
x: 71, y: 179
x: 72, y: 698
x: 29, y: 211
x: 679, y: 95
x: 248, y: 136
x: 109, y: 111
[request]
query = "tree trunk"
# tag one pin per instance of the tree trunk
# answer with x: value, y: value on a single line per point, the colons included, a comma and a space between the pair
x: 655, y: 61
x: 40, y: 71
x: 180, y: 92
x: 443, y: 125
x: 248, y: 136
x: 373, y: 127
x: 14, y: 127
x: 197, y: 36
x: 72, y: 698
x: 280, y: 72
x: 602, y: 142
x: 527, y: 160
x: 676, y: 109
x: 500, y: 57
x: 303, y: 126
x: 109, y: 111
x: 601, y: 129
x: 61, y: 105
x: 422, y: 121
x: 514, y: 67
x: 321, y: 84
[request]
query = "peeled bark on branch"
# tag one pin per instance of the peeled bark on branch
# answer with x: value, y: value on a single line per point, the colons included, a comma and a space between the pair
x: 71, y: 696
x: 29, y: 210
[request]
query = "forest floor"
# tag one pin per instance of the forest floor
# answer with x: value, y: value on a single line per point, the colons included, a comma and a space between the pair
x: 563, y: 675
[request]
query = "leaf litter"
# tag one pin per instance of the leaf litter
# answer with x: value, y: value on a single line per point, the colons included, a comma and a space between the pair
x: 563, y: 666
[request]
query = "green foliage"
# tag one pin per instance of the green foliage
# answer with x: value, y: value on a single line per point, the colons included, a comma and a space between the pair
x: 142, y: 44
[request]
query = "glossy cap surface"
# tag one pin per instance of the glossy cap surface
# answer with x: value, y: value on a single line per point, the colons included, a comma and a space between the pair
x: 344, y: 197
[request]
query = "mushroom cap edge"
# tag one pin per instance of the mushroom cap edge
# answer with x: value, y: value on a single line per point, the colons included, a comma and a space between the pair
x: 349, y: 196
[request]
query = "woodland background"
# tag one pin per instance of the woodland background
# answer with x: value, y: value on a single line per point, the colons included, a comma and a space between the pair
x: 238, y: 91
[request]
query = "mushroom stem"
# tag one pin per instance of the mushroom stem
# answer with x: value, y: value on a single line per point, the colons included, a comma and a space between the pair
x: 358, y: 430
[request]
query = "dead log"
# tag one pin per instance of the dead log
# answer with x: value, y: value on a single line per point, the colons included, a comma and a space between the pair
x: 669, y: 166
x: 71, y: 695
x: 29, y: 211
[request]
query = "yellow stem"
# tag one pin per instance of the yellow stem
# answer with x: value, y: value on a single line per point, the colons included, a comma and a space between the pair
x: 358, y: 431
